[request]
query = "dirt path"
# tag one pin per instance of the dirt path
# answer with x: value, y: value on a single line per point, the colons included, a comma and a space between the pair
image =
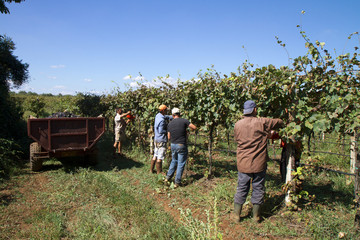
x: 227, y: 227
x: 20, y: 202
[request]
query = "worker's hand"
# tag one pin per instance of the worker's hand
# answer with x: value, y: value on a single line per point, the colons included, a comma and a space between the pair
x: 270, y: 134
x: 273, y: 135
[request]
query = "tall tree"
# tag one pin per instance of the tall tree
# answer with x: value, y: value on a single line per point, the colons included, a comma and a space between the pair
x: 90, y: 105
x: 4, y: 9
x: 11, y: 70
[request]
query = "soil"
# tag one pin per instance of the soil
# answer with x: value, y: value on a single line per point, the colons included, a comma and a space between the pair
x: 18, y: 212
x: 229, y: 229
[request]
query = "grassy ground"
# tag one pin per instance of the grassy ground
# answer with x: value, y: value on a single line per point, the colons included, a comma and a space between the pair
x: 119, y: 199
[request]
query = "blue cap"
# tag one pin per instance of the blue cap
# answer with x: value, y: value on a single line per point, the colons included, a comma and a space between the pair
x: 249, y: 106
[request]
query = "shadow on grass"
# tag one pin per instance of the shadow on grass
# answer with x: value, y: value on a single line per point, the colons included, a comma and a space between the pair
x: 6, y: 199
x: 107, y: 159
x: 197, y: 167
x: 105, y: 162
x: 104, y: 159
x: 274, y: 203
x: 224, y: 167
x: 190, y: 177
x: 117, y: 162
x: 52, y: 165
x: 325, y: 194
x: 221, y: 166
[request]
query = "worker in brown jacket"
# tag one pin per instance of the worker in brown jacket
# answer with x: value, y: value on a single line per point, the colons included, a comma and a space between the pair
x: 251, y: 134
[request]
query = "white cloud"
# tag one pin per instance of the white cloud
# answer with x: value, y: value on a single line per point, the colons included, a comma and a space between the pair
x: 65, y: 93
x: 58, y: 66
x: 95, y: 92
x: 139, y: 78
x: 127, y: 77
x: 171, y: 81
x: 24, y: 87
x: 87, y: 80
x: 149, y: 84
x: 134, y: 84
x: 59, y: 87
x: 137, y: 81
x: 157, y: 82
x: 52, y: 77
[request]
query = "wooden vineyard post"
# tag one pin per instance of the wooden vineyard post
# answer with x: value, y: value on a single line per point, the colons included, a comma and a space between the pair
x: 139, y: 133
x: 151, y: 141
x: 195, y: 139
x: 357, y: 177
x: 290, y: 159
x: 353, y: 152
x: 228, y: 142
x: 274, y: 149
x: 210, y: 150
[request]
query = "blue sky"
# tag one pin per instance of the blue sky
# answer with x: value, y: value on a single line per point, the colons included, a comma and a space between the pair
x: 95, y: 46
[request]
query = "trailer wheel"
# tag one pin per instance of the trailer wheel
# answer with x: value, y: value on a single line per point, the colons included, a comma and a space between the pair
x: 35, y: 163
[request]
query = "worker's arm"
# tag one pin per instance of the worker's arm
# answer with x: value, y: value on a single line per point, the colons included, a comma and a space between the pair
x: 124, y: 114
x: 192, y: 126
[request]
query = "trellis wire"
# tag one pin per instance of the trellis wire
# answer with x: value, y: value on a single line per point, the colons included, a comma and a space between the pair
x: 301, y: 164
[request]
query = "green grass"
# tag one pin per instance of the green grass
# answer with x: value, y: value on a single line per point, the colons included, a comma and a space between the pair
x: 88, y: 204
x: 333, y: 194
x: 118, y: 199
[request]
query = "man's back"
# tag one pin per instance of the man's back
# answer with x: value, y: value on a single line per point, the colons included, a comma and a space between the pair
x: 177, y: 129
x: 251, y: 136
x: 160, y: 127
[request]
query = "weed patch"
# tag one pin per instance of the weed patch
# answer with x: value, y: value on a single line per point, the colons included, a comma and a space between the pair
x: 119, y: 199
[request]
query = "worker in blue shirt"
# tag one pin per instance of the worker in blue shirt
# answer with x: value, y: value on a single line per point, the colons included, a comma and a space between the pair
x: 160, y: 139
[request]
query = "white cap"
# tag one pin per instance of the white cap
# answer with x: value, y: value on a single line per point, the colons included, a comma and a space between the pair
x: 175, y: 111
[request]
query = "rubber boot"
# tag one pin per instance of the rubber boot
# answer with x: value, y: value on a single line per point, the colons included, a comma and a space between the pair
x: 237, y: 212
x: 152, y: 164
x: 158, y: 167
x: 256, y: 213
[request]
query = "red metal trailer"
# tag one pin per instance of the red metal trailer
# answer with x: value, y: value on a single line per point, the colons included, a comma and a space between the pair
x: 63, y: 137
